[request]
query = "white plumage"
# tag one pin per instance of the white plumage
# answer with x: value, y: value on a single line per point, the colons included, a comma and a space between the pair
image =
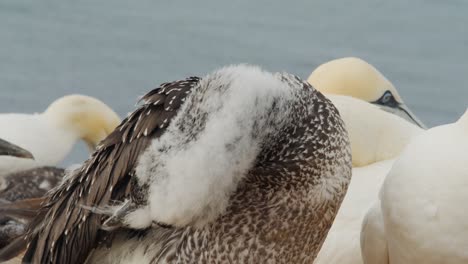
x: 343, y: 240
x: 50, y: 135
x: 375, y: 136
x: 422, y: 202
x: 361, y: 92
x: 356, y: 78
x: 214, y: 171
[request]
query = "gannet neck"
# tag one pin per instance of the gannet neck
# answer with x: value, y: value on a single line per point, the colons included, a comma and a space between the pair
x: 375, y: 135
x: 85, y: 117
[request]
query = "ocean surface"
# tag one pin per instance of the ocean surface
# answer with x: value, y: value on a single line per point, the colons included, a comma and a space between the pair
x: 116, y: 50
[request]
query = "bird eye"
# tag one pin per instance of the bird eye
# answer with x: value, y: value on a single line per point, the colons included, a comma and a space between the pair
x: 387, y: 99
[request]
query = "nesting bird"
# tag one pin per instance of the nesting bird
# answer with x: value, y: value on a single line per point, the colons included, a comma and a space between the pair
x: 242, y: 165
x: 50, y: 135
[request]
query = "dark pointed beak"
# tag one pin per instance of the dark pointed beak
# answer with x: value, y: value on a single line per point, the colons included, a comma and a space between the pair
x: 8, y: 149
x: 408, y: 115
x: 404, y: 112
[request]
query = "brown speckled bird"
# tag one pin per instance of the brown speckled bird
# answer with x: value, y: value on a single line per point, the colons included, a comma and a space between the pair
x: 241, y: 166
x: 19, y: 192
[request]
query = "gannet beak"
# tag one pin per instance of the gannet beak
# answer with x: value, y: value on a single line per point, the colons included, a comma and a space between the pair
x: 408, y: 115
x: 404, y: 112
x: 8, y: 149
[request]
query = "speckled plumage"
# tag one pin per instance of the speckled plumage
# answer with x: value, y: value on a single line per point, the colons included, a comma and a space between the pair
x: 278, y: 211
x: 32, y: 183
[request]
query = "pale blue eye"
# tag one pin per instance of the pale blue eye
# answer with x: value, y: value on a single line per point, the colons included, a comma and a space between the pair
x: 387, y: 97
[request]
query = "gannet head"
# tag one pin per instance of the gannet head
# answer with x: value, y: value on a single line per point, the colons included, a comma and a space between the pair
x: 356, y: 78
x: 87, y: 117
x: 8, y: 149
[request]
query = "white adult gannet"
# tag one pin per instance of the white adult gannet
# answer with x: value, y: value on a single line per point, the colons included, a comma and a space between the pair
x: 356, y: 78
x: 379, y: 135
x: 377, y: 138
x: 50, y: 135
x: 421, y: 216
x: 243, y: 166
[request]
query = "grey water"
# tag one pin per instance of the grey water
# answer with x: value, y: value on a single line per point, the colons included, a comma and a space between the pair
x: 116, y: 50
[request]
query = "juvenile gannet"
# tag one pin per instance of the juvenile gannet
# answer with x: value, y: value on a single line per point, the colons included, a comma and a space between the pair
x: 31, y: 183
x: 16, y: 187
x: 242, y: 166
x: 357, y: 78
x: 50, y: 135
x: 421, y: 216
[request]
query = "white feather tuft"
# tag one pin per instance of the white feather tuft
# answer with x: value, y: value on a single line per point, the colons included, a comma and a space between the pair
x: 191, y: 183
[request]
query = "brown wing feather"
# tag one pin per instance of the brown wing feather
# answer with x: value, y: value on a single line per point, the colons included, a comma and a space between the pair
x: 64, y: 231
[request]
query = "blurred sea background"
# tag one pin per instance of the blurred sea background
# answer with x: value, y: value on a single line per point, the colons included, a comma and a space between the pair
x: 116, y: 50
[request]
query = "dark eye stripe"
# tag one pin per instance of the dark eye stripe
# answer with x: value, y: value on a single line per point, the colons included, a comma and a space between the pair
x: 387, y: 99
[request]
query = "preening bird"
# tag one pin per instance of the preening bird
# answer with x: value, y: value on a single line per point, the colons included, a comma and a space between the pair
x: 239, y: 166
